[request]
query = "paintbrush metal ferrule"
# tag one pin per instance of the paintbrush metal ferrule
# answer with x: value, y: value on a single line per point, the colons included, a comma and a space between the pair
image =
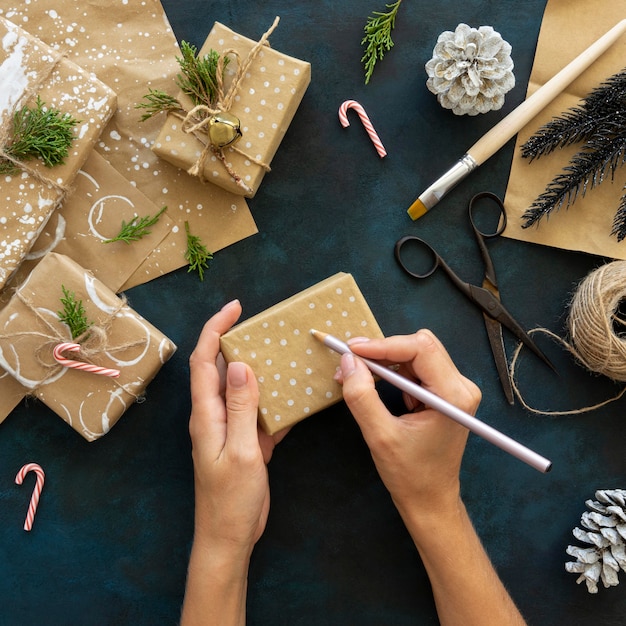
x: 437, y: 403
x: 429, y: 198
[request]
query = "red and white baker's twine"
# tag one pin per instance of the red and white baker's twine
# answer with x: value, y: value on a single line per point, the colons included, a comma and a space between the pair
x: 365, y: 120
x: 80, y: 365
x: 34, y: 499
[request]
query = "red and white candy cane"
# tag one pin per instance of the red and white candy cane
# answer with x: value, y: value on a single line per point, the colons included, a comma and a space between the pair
x: 80, y: 365
x: 34, y: 499
x: 365, y: 120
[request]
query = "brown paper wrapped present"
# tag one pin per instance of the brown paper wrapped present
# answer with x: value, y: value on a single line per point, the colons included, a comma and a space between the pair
x: 265, y: 101
x: 119, y: 338
x: 295, y: 372
x: 29, y: 69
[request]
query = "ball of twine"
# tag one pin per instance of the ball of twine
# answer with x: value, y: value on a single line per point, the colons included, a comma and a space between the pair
x: 597, y: 333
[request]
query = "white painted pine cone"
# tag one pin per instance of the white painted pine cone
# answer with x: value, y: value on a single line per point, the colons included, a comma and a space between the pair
x: 471, y: 70
x: 605, y: 525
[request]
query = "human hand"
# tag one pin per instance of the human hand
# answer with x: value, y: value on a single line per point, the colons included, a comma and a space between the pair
x: 230, y: 452
x: 418, y: 454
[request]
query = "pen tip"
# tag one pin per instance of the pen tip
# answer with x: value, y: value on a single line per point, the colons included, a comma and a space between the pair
x: 317, y: 334
x: 417, y: 209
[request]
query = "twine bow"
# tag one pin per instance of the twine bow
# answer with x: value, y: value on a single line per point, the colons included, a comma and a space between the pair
x: 197, y: 120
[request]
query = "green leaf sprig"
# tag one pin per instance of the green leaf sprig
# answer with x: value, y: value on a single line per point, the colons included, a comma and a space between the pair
x: 73, y: 314
x: 196, y: 254
x: 136, y: 229
x: 197, y: 79
x: 377, y: 40
x: 39, y: 132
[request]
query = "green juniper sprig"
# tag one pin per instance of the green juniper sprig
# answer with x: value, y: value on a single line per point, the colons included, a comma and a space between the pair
x: 39, y: 132
x: 73, y: 314
x: 599, y: 122
x: 197, y: 79
x: 137, y: 228
x: 196, y: 254
x: 377, y: 40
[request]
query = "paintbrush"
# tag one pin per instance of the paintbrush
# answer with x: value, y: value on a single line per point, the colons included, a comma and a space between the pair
x: 443, y: 406
x: 491, y: 142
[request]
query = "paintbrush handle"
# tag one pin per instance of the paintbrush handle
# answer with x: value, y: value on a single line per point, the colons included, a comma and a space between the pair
x: 494, y: 139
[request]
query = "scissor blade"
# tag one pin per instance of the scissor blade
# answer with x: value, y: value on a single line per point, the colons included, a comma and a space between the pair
x: 496, y: 341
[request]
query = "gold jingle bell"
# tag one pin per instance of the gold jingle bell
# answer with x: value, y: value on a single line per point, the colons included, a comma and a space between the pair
x: 224, y: 129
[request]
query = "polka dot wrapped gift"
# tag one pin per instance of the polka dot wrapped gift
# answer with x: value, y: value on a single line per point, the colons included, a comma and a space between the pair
x: 29, y: 69
x: 295, y: 372
x: 265, y: 101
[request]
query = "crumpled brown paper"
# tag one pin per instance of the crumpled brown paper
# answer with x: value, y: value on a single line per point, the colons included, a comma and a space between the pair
x: 133, y: 48
x: 30, y: 329
x: 294, y: 370
x: 568, y: 28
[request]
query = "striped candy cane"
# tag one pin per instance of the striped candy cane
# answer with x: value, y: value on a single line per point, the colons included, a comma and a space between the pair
x: 34, y: 499
x: 80, y: 365
x: 365, y: 120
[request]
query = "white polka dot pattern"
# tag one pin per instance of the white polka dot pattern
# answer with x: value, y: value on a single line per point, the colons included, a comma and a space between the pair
x: 295, y: 372
x: 266, y: 103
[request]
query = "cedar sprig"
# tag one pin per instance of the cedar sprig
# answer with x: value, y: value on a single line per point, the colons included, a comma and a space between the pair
x: 137, y: 228
x: 196, y: 254
x: 599, y: 122
x: 39, y: 131
x: 73, y: 314
x: 197, y: 79
x: 377, y: 40
x: 156, y: 101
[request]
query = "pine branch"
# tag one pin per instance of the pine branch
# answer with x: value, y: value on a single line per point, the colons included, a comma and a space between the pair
x: 587, y: 169
x: 136, y: 229
x: 39, y: 132
x: 600, y: 123
x: 73, y: 314
x: 377, y: 40
x: 196, y: 254
x: 157, y: 101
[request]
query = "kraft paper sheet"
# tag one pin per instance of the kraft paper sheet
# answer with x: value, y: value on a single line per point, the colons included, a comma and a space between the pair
x: 568, y: 28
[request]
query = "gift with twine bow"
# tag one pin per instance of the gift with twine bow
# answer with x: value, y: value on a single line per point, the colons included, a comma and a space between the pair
x: 33, y: 74
x: 231, y: 139
x: 116, y: 338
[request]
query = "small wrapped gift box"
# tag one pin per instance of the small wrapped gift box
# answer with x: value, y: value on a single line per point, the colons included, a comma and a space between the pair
x: 29, y: 69
x: 295, y: 372
x: 265, y: 103
x: 118, y: 338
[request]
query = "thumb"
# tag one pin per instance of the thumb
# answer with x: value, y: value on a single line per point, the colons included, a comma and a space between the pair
x: 242, y: 404
x: 361, y: 397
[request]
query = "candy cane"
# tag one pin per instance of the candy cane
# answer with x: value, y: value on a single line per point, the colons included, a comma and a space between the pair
x: 34, y: 499
x: 365, y: 120
x: 80, y: 365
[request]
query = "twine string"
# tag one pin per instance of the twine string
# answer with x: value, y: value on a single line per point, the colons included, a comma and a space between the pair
x: 597, y: 332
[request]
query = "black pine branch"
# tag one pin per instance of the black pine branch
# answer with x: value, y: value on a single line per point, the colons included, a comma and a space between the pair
x: 619, y: 223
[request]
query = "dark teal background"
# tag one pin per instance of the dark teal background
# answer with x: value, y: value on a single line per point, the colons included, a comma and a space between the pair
x: 114, y: 527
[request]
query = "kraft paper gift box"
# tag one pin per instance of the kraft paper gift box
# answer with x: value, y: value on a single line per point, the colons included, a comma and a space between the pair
x: 265, y: 104
x: 30, y: 69
x: 119, y: 338
x: 294, y: 370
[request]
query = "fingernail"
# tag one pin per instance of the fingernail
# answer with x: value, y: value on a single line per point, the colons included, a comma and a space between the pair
x: 347, y: 364
x: 356, y: 340
x: 237, y: 374
x: 229, y: 304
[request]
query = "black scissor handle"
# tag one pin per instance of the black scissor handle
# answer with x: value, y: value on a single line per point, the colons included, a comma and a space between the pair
x: 501, y: 214
x: 420, y: 243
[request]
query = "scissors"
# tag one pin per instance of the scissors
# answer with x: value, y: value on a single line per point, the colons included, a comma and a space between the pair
x: 487, y: 297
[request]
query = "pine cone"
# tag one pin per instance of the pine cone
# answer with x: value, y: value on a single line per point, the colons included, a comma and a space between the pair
x: 471, y: 70
x: 606, y: 533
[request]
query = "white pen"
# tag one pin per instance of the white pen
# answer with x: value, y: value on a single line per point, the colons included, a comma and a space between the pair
x: 433, y: 401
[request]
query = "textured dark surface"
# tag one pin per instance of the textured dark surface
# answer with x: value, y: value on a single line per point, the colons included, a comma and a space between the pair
x: 114, y: 526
